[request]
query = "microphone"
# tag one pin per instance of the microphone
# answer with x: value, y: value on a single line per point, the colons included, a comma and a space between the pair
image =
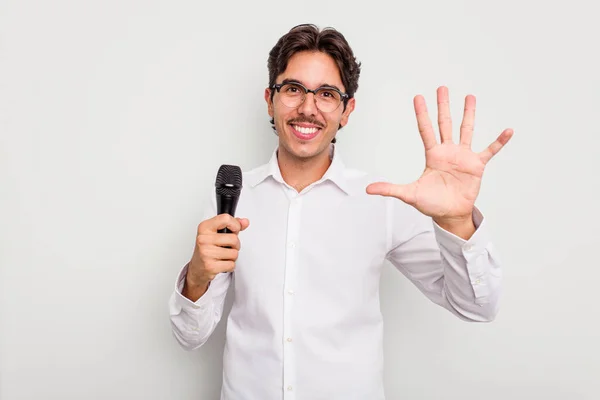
x: 228, y: 187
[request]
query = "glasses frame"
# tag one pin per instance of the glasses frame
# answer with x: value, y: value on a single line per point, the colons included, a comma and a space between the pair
x: 343, y: 96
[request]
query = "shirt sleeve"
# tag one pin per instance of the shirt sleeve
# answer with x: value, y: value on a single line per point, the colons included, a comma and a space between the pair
x: 463, y: 276
x: 192, y: 323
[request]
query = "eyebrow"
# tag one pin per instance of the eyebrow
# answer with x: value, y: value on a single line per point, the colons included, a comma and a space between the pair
x: 300, y: 82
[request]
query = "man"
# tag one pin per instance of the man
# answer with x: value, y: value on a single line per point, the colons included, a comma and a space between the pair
x: 305, y: 255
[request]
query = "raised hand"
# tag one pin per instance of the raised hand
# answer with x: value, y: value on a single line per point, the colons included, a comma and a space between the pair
x: 450, y: 183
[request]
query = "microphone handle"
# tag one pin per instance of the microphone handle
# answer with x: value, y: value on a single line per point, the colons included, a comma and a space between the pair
x: 226, y: 205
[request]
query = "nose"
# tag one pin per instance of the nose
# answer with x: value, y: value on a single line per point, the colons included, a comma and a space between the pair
x: 308, y: 106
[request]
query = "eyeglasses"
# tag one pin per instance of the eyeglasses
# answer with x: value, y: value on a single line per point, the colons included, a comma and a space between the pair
x: 327, y: 98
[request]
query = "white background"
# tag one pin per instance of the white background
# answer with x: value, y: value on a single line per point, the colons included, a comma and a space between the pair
x: 115, y: 115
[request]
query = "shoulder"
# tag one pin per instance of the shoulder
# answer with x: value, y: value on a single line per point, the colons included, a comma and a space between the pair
x: 254, y: 175
x: 358, y: 180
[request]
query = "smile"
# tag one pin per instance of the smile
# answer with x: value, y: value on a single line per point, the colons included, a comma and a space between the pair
x: 304, y: 132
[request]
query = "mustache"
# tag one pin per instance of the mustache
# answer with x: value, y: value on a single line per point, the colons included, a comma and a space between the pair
x: 305, y: 120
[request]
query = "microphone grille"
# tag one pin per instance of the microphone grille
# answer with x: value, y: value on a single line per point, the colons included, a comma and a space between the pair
x: 229, y: 178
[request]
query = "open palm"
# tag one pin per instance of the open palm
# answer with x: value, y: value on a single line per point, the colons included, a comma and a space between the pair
x: 450, y: 183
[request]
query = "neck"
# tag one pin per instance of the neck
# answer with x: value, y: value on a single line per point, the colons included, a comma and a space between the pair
x: 302, y: 172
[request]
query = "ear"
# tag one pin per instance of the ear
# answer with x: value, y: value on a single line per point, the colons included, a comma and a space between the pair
x: 269, y: 102
x: 349, y: 108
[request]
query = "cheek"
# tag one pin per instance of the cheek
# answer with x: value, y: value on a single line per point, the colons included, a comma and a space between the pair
x: 279, y: 117
x: 333, y: 120
x: 282, y: 114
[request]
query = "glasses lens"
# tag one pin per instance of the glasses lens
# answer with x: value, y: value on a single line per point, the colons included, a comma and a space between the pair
x: 292, y: 95
x: 328, y: 99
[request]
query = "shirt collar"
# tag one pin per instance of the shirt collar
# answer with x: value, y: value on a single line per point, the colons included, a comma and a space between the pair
x: 335, y: 173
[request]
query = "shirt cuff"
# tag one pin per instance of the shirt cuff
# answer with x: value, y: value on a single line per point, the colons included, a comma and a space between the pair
x: 476, y: 244
x: 199, y: 305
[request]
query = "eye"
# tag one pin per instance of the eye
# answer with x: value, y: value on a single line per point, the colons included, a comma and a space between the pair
x: 291, y: 89
x: 329, y: 94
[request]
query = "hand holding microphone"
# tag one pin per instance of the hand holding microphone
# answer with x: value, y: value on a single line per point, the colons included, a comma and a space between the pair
x: 217, y: 242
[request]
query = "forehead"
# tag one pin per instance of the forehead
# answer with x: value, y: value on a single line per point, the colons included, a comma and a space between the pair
x: 312, y: 69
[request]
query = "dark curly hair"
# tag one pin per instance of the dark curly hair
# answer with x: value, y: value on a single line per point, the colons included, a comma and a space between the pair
x: 308, y: 37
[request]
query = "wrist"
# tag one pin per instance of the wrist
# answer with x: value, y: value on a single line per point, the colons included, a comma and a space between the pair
x: 463, y: 227
x: 195, y: 282
x: 194, y: 289
x: 194, y: 275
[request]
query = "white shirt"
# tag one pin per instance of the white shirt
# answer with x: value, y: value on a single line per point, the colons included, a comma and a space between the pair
x: 305, y: 323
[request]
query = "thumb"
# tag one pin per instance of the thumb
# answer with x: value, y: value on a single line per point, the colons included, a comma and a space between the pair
x: 402, y: 192
x: 245, y: 223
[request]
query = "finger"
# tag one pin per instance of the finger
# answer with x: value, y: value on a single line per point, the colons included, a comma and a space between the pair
x: 219, y: 222
x: 468, y: 122
x: 406, y: 193
x: 225, y: 266
x: 444, y: 119
x: 226, y: 254
x: 424, y: 123
x: 222, y: 239
x: 220, y: 253
x: 487, y: 154
x: 244, y: 222
x: 219, y: 266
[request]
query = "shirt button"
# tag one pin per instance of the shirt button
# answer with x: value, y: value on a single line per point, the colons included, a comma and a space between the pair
x: 292, y: 245
x: 290, y: 291
x: 289, y: 388
x: 478, y: 281
x: 289, y: 339
x: 469, y: 247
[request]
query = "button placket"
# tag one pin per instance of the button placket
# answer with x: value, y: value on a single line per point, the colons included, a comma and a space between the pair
x: 293, y: 229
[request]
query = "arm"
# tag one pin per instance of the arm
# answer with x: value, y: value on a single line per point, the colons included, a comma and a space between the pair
x: 197, y: 302
x: 463, y: 276
x: 192, y: 322
x: 457, y: 270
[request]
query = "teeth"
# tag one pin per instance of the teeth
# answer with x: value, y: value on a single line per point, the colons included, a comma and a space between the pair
x: 305, y: 131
